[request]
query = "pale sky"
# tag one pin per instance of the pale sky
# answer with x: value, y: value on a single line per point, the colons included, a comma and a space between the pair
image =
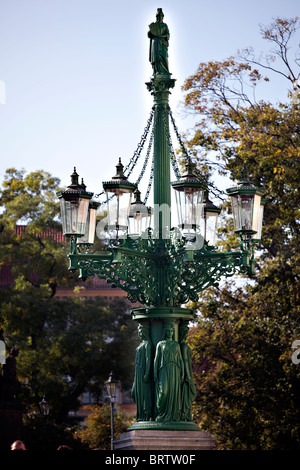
x: 73, y: 73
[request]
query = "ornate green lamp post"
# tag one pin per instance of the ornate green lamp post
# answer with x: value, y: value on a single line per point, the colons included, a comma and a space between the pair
x: 164, y: 267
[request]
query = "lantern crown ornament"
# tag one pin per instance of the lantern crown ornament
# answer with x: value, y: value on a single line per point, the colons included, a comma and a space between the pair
x: 189, y: 182
x: 119, y: 182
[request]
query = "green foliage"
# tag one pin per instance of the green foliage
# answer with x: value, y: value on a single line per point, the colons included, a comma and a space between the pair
x: 66, y: 346
x: 29, y: 199
x: 43, y: 433
x: 248, y: 387
x: 96, y: 432
x: 79, y: 343
x: 37, y: 259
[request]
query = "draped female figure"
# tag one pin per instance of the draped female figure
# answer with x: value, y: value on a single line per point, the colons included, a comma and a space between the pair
x: 168, y: 375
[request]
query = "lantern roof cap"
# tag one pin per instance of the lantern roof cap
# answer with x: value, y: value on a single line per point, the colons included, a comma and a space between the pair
x: 189, y: 179
x: 209, y: 206
x: 119, y: 180
x: 75, y: 189
x: 94, y: 204
x: 245, y: 186
x: 138, y: 205
x: 119, y: 171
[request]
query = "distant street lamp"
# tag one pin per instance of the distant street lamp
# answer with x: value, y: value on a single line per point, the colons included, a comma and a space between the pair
x: 112, y: 387
x: 44, y: 407
x: 161, y: 266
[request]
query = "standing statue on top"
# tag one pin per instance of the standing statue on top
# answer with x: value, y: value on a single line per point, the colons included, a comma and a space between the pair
x: 159, y: 43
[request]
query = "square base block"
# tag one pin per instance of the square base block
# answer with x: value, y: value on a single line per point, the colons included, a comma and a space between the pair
x: 165, y: 440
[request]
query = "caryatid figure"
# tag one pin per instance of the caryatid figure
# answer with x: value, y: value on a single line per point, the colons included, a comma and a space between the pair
x: 168, y: 375
x: 142, y: 389
x: 188, y: 386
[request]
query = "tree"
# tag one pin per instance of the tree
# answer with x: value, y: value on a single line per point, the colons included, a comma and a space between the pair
x: 248, y: 385
x: 81, y: 341
x: 36, y: 259
x: 66, y: 347
x: 96, y: 431
x: 43, y: 433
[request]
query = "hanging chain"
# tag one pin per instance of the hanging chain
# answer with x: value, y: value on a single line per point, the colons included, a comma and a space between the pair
x: 215, y: 191
x: 137, y: 152
x: 150, y: 181
x: 147, y: 157
x: 140, y: 146
x: 179, y: 138
x: 172, y: 153
x: 132, y: 163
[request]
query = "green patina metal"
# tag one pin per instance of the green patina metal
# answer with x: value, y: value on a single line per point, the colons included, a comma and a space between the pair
x: 162, y: 274
x: 159, y: 273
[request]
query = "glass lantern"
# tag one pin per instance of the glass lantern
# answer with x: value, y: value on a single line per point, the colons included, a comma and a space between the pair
x: 139, y: 217
x: 246, y: 201
x: 211, y: 214
x: 189, y: 202
x: 118, y: 192
x: 90, y: 227
x: 112, y: 386
x: 74, y: 205
x: 44, y: 407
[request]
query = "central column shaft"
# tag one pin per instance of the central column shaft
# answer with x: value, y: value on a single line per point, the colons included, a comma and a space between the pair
x: 159, y: 87
x: 161, y: 170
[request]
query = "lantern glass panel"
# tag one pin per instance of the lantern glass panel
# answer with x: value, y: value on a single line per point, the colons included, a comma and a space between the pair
x: 211, y: 220
x: 118, y: 205
x: 257, y: 235
x: 139, y: 220
x: 256, y: 212
x: 89, y: 235
x: 189, y: 206
x: 74, y: 215
x: 245, y: 208
x: 111, y: 389
x: 44, y: 407
x: 236, y: 213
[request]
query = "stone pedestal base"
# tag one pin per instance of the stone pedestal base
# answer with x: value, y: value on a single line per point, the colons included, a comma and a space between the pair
x: 165, y: 440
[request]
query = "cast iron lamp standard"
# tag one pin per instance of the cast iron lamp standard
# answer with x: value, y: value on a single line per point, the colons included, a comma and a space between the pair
x: 111, y: 388
x: 161, y: 267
